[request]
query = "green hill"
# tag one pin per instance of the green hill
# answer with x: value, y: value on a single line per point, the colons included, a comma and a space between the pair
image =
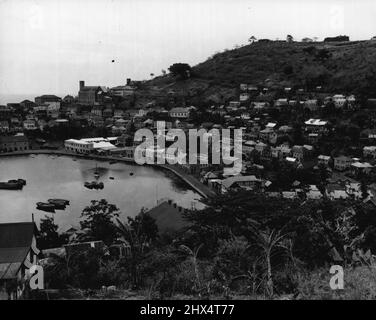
x: 338, y: 67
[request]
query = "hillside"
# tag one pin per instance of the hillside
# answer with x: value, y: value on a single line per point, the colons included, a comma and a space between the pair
x: 337, y: 67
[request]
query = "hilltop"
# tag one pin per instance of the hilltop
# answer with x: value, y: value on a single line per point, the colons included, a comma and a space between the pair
x: 336, y: 66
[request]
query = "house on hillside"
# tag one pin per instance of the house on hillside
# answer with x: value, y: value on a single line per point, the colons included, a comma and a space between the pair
x: 323, y: 160
x: 369, y: 152
x: 244, y: 182
x: 18, y: 252
x: 181, y: 113
x: 342, y: 163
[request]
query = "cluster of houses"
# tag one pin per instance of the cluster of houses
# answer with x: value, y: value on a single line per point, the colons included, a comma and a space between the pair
x: 265, y: 140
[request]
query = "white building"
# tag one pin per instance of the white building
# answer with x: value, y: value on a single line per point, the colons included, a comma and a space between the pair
x: 90, y: 144
x: 179, y: 113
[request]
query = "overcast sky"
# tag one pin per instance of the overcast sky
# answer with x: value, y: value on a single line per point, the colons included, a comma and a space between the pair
x: 47, y: 46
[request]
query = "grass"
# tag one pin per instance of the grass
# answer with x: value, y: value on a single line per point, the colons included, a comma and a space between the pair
x: 350, y: 67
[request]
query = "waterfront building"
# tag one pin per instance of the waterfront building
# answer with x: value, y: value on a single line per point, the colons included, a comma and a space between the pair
x: 89, y: 145
x: 14, y: 143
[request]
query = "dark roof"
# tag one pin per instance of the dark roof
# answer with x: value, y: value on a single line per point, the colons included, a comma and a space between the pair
x: 90, y: 88
x: 168, y: 217
x: 15, y: 243
x: 49, y: 96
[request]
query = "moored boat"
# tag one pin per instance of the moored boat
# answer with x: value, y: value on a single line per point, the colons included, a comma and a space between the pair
x: 94, y: 185
x: 59, y: 204
x: 20, y: 181
x: 60, y: 201
x: 11, y: 185
x: 49, y: 207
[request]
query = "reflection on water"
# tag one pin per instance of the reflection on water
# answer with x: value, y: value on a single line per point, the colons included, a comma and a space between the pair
x: 130, y: 187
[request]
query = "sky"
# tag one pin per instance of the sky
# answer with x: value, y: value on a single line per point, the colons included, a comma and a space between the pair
x: 47, y: 46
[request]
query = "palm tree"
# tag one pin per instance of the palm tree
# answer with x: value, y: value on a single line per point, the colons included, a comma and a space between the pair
x: 268, y: 242
x: 252, y: 39
x: 193, y: 254
x: 137, y: 242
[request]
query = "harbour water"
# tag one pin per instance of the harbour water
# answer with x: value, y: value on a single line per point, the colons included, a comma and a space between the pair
x: 129, y: 187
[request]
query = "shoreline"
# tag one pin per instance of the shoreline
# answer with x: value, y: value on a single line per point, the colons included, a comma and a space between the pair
x: 196, y: 185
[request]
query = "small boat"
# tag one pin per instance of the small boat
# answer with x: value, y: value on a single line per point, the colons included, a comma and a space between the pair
x: 58, y: 203
x: 49, y: 207
x: 94, y: 185
x: 112, y: 178
x: 11, y: 185
x: 20, y: 181
x: 63, y: 201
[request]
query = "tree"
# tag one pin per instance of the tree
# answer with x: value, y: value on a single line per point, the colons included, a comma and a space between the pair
x: 99, y: 221
x: 48, y: 236
x: 289, y: 38
x: 268, y: 242
x: 145, y: 225
x: 138, y: 233
x: 181, y: 69
x: 252, y: 39
x: 193, y: 254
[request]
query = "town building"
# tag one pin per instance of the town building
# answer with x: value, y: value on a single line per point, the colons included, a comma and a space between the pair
x: 323, y: 160
x: 124, y: 91
x: 89, y: 145
x: 30, y: 124
x: 369, y: 152
x: 342, y: 163
x: 90, y: 95
x: 46, y: 99
x: 18, y: 142
x: 244, y: 182
x: 181, y: 113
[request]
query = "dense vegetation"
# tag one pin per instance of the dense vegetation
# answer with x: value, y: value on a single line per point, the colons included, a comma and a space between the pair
x: 242, y: 245
x: 336, y: 66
